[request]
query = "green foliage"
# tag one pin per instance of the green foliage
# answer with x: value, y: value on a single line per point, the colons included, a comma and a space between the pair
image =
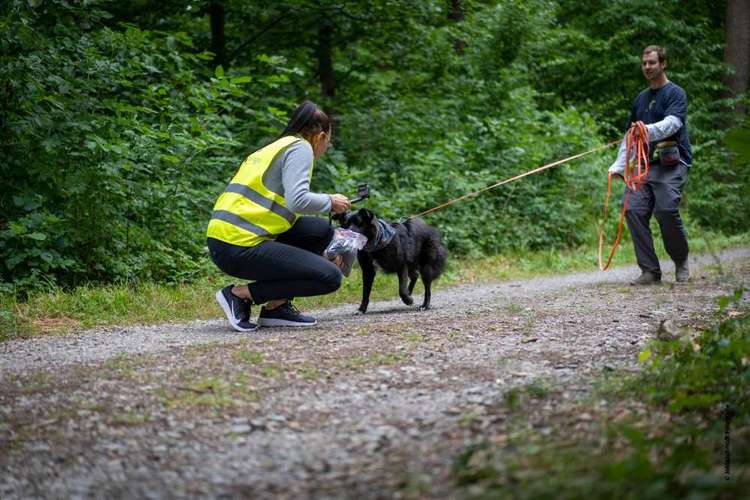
x: 115, y: 146
x: 453, y: 123
x: 694, y: 374
x: 118, y: 130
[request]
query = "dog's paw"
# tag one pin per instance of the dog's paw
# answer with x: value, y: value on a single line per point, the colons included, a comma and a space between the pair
x: 423, y: 308
x: 407, y: 300
x: 360, y: 311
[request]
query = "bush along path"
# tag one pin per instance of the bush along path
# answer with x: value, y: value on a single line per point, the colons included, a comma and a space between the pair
x: 557, y: 386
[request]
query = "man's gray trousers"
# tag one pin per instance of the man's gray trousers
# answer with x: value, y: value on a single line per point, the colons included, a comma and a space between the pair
x: 660, y: 195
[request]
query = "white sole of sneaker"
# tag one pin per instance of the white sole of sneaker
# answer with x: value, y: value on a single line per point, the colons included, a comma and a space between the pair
x: 228, y: 311
x: 283, y: 322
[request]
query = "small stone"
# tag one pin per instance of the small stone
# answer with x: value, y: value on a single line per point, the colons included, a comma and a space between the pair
x: 667, y: 330
x: 240, y: 429
x: 258, y: 423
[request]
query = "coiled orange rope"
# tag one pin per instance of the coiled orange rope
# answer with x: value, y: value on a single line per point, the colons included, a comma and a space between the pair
x: 636, y: 144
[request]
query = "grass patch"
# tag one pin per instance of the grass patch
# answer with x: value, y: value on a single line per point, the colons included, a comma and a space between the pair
x: 249, y: 357
x: 130, y: 419
x: 309, y: 372
x: 121, y: 364
x: 378, y: 359
x: 271, y: 371
x: 211, y: 392
x: 62, y: 311
x: 413, y: 337
x: 538, y: 389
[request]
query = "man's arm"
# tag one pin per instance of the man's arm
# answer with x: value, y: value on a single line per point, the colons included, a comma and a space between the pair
x: 656, y: 132
x: 669, y: 126
x: 675, y: 115
x: 618, y: 166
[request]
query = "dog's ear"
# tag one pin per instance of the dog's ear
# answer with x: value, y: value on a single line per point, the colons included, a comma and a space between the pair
x: 366, y: 214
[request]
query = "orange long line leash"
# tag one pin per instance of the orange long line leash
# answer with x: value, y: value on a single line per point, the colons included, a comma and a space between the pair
x: 636, y: 144
x: 515, y: 178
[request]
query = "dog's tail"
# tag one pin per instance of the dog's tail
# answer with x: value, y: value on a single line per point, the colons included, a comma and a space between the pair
x: 433, y: 256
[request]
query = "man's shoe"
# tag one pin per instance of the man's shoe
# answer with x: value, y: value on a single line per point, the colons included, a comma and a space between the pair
x: 681, y: 271
x: 285, y: 315
x: 236, y: 309
x: 646, y: 278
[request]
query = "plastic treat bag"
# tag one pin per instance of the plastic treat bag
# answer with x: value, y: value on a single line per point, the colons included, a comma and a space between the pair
x: 345, y: 243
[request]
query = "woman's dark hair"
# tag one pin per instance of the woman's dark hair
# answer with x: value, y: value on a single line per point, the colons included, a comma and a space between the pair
x: 308, y: 119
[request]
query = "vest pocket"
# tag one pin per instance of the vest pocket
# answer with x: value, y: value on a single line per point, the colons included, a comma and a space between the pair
x: 669, y: 153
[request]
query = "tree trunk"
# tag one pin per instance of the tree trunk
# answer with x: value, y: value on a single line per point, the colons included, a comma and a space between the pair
x: 737, y: 49
x: 325, y: 59
x: 218, y: 43
x: 455, y: 11
x: 456, y: 14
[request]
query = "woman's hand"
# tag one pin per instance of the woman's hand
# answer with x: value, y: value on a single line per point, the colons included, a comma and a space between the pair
x: 339, y: 203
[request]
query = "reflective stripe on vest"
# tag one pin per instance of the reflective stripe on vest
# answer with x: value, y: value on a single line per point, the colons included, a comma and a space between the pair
x: 249, y: 212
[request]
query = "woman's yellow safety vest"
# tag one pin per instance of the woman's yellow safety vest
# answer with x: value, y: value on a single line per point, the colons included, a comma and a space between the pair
x: 251, y: 211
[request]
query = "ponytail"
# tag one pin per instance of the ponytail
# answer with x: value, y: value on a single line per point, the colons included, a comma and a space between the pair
x: 308, y: 119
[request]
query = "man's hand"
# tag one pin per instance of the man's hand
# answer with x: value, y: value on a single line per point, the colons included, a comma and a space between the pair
x: 339, y: 203
x: 638, y: 128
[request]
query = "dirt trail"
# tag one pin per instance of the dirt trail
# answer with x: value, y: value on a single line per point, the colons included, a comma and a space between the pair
x: 372, y: 406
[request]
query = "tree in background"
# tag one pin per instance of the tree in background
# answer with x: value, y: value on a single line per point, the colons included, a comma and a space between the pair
x: 737, y: 49
x: 121, y: 121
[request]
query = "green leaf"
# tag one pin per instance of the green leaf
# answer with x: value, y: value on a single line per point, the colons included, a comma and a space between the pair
x: 723, y: 302
x: 241, y: 79
x: 37, y: 236
x: 219, y: 72
x: 644, y: 355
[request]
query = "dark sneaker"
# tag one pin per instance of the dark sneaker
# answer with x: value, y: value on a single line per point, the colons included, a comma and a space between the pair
x: 236, y: 309
x: 681, y: 271
x: 285, y: 315
x: 646, y: 278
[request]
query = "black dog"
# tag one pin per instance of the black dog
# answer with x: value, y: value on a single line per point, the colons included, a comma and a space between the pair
x: 407, y: 249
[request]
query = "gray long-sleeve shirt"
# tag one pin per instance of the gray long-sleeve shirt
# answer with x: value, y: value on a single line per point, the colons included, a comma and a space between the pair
x: 296, y: 161
x: 656, y: 132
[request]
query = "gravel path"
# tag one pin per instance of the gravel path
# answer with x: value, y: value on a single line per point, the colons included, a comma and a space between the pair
x: 374, y: 406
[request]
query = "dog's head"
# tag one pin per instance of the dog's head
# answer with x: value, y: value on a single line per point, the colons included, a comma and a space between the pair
x: 341, y: 219
x: 362, y: 221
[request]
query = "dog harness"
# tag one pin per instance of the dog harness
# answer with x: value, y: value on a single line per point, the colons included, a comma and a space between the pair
x: 384, y: 233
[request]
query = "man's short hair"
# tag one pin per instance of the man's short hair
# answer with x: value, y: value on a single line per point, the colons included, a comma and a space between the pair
x: 660, y: 51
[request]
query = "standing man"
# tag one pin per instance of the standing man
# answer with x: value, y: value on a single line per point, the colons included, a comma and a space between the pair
x: 663, y: 108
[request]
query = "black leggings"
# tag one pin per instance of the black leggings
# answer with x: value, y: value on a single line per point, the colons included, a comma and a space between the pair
x: 290, y: 266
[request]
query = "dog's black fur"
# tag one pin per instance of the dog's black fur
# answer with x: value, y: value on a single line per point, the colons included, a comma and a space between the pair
x: 416, y: 249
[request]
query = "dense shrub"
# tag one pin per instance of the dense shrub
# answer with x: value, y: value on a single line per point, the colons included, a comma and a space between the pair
x: 118, y: 130
x: 114, y: 146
